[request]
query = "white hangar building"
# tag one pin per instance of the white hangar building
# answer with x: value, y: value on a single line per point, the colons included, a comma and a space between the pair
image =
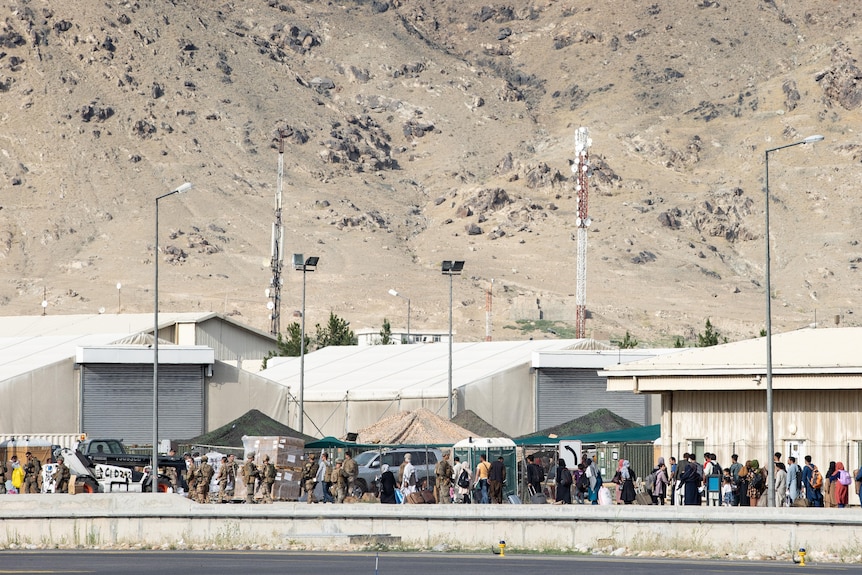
x: 517, y: 386
x: 94, y: 373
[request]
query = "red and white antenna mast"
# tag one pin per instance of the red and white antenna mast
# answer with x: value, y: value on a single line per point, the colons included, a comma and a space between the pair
x: 581, y: 169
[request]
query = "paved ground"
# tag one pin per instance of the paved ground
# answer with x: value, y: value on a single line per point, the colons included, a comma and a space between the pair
x: 202, y: 562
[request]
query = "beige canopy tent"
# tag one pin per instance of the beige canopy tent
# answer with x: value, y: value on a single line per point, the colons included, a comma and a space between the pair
x: 417, y: 427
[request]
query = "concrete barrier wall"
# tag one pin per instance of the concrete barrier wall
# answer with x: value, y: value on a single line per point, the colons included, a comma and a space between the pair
x: 169, y: 521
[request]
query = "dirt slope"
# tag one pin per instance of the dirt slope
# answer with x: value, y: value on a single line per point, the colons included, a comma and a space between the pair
x: 423, y: 131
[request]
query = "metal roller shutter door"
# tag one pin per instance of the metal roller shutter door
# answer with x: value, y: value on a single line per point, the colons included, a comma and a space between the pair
x: 566, y: 394
x: 117, y: 401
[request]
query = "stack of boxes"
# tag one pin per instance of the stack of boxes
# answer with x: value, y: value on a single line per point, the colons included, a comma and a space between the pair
x: 286, y: 453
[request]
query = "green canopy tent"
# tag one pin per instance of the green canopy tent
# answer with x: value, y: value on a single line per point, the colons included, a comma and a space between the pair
x: 632, y: 435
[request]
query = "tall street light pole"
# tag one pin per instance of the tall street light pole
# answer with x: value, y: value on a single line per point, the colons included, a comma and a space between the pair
x: 154, y: 471
x: 402, y: 296
x: 770, y: 437
x: 451, y: 268
x: 303, y: 265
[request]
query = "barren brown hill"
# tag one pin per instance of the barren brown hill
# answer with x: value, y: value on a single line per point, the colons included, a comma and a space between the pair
x: 423, y: 131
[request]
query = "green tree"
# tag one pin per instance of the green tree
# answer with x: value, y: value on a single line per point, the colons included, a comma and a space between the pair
x: 710, y: 336
x: 628, y: 342
x: 679, y: 342
x: 386, y: 333
x: 289, y: 347
x: 336, y: 332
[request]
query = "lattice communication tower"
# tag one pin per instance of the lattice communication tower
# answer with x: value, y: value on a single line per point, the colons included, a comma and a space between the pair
x: 581, y: 170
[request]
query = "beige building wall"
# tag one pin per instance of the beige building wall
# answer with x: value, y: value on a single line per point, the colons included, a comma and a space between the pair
x: 823, y: 423
x: 45, y: 400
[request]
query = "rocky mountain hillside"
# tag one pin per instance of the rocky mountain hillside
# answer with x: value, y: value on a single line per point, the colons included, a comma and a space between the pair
x: 421, y: 131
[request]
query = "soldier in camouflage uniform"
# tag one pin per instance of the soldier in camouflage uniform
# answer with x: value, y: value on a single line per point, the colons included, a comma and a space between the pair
x: 205, y: 476
x: 61, y: 476
x: 223, y: 478
x: 340, y: 481
x: 267, y: 479
x: 350, y: 471
x: 171, y: 472
x: 443, y: 481
x: 191, y: 475
x: 32, y: 474
x: 309, y: 477
x: 250, y: 474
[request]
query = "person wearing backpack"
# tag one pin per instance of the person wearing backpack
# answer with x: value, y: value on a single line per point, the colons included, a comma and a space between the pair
x: 813, y: 481
x: 463, y: 480
x: 840, y: 485
x: 756, y: 482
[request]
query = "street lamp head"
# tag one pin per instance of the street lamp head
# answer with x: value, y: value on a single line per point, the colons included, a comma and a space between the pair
x: 452, y: 267
x: 812, y: 139
x: 183, y: 188
x: 312, y: 262
x: 393, y: 293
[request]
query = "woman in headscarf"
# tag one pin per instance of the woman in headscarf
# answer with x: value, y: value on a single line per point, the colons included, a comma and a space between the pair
x: 756, y: 483
x: 563, y: 482
x: 408, y: 477
x: 618, y: 481
x: 742, y: 489
x: 659, y: 490
x: 840, y: 490
x: 595, y: 482
x: 829, y: 486
x: 387, y: 485
x: 780, y: 485
x: 690, y: 480
x: 627, y: 483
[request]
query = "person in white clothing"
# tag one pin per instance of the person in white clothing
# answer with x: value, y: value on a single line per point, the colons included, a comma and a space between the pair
x: 462, y: 494
x: 408, y: 477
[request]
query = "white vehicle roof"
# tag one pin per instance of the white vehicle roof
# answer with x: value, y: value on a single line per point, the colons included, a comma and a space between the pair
x: 483, y: 442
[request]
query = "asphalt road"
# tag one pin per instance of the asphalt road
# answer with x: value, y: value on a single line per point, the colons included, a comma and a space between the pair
x: 364, y: 563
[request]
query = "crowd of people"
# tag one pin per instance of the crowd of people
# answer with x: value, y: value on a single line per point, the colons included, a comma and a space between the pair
x: 799, y: 484
x: 27, y: 476
x: 687, y: 482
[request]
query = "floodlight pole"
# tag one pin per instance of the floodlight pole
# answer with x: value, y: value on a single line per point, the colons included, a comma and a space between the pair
x: 451, y: 268
x: 304, y: 265
x: 154, y: 470
x: 770, y: 431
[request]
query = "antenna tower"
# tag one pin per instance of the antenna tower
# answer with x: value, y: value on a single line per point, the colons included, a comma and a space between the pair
x: 277, y: 247
x: 489, y: 295
x: 581, y: 168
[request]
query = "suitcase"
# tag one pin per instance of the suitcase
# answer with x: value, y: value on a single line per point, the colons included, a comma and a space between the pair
x: 643, y: 498
x: 514, y: 500
x: 538, y: 498
x: 415, y: 497
x: 427, y: 496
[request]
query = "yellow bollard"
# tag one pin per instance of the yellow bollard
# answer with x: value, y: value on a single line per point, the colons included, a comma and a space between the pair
x: 802, y: 556
x: 502, y: 548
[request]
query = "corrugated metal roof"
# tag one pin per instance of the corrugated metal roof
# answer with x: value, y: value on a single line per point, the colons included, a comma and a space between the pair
x: 125, y: 323
x: 387, y: 371
x: 825, y: 350
x: 28, y: 343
